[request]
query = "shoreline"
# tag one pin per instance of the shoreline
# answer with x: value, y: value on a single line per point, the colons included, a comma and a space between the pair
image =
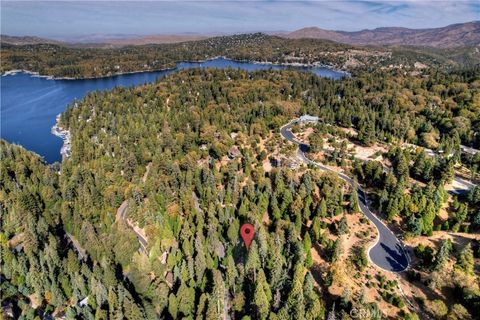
x: 50, y: 77
x: 32, y: 73
x: 285, y: 64
x: 64, y: 134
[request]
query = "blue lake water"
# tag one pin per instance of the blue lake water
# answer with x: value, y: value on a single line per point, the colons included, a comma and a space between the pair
x: 29, y: 104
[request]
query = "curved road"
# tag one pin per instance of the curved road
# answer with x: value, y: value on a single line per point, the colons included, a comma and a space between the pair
x: 121, y: 216
x: 388, y: 252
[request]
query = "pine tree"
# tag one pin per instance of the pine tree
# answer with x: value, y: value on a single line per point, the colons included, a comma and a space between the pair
x: 266, y: 288
x: 287, y: 199
x: 219, y: 293
x: 307, y: 245
x: 260, y: 301
x: 306, y: 208
x: 200, y: 258
x: 131, y: 310
x: 321, y: 209
x: 353, y: 201
x: 201, y: 306
x: 343, y: 226
x: 232, y: 272
x: 233, y: 231
x: 253, y: 260
x: 296, y: 299
x: 185, y: 299
x: 427, y: 218
x: 313, y: 304
x: 212, y: 309
x: 172, y: 305
x: 276, y: 212
x: 392, y: 209
x: 415, y: 225
x: 316, y: 142
x: 466, y: 261
x: 278, y: 272
x: 442, y: 255
x: 316, y: 229
x: 337, y: 249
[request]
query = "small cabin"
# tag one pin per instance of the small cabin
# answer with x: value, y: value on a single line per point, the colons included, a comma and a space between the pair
x: 309, y: 118
x: 234, y: 152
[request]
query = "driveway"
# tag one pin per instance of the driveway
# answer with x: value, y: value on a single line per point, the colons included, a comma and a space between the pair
x: 388, y: 252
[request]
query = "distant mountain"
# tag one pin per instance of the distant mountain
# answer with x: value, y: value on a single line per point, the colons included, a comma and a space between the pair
x: 455, y: 35
x: 155, y: 39
x: 132, y: 39
x: 100, y: 40
x: 26, y: 40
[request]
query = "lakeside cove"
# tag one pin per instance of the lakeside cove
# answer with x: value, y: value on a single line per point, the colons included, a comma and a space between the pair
x: 283, y: 65
x: 31, y: 102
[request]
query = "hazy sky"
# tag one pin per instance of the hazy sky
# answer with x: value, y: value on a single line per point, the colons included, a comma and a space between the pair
x: 75, y: 18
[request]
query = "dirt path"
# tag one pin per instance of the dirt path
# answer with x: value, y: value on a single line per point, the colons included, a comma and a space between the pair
x: 147, y: 171
x: 82, y: 253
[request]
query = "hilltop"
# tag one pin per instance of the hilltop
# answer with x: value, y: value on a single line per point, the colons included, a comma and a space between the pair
x: 92, y: 61
x: 455, y: 35
x: 25, y: 40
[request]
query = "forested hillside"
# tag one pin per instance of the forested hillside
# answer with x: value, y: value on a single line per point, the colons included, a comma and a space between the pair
x: 42, y: 271
x: 196, y: 266
x: 186, y: 157
x: 454, y: 35
x: 79, y: 62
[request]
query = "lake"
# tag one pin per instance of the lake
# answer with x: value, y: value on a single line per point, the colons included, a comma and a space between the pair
x: 29, y: 104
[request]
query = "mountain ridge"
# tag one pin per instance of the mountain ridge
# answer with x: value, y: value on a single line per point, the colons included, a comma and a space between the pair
x: 454, y: 35
x: 451, y: 36
x: 23, y: 40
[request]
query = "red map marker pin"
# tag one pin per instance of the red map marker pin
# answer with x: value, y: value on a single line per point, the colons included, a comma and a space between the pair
x: 247, y: 231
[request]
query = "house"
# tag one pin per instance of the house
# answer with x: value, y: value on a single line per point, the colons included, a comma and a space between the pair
x: 291, y: 164
x: 83, y: 302
x: 234, y: 152
x: 169, y: 279
x: 468, y: 150
x: 308, y: 118
x: 220, y: 250
x: 163, y: 257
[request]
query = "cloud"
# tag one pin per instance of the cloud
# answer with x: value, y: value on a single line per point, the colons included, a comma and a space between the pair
x: 63, y: 19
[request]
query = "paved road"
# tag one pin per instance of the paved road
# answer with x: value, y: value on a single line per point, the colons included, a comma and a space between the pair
x: 121, y: 215
x: 388, y: 252
x: 459, y: 184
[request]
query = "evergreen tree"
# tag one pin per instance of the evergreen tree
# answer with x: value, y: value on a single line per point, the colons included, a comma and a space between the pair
x: 353, y: 201
x: 185, y: 299
x: 443, y: 253
x: 260, y: 298
x: 172, y: 305
x: 307, y: 246
x: 466, y: 261
x: 253, y: 260
x: 316, y: 228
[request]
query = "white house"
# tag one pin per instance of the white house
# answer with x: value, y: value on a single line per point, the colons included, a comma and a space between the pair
x: 308, y: 118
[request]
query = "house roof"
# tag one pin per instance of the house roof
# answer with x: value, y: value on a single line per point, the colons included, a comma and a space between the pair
x: 307, y: 117
x: 234, y: 151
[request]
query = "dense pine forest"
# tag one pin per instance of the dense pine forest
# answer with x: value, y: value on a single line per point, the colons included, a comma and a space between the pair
x: 180, y: 165
x: 75, y: 61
